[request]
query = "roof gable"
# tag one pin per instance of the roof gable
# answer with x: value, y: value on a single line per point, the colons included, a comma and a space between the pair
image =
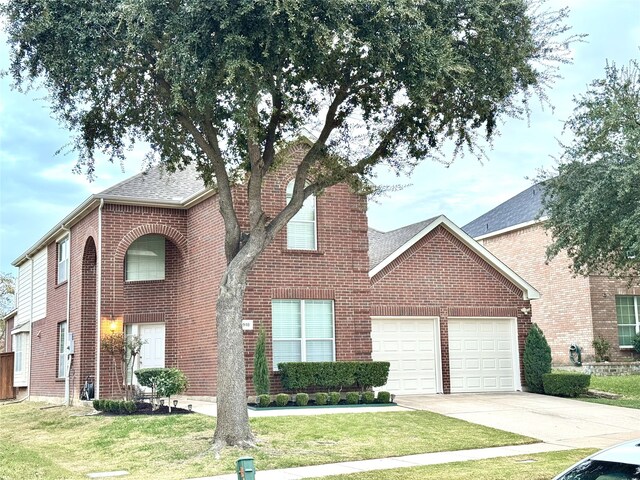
x: 418, y: 231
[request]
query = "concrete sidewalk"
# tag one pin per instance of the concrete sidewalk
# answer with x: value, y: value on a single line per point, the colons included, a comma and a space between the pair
x: 394, y: 462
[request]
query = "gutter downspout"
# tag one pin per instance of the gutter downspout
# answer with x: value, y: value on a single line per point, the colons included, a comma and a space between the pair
x: 30, y: 331
x: 96, y: 388
x: 67, y: 396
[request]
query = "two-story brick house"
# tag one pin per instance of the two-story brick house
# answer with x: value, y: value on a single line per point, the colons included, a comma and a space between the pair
x: 571, y: 309
x: 145, y: 257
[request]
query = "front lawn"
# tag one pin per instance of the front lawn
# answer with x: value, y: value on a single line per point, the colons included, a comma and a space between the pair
x: 540, y: 466
x: 60, y: 443
x: 628, y: 386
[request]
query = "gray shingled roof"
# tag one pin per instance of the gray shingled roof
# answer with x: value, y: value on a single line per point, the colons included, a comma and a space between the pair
x: 158, y: 184
x: 383, y: 244
x: 524, y: 207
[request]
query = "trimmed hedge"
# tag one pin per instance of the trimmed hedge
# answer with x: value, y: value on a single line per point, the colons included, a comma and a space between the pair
x: 302, y: 399
x: 384, y: 397
x: 115, y: 406
x: 333, y: 375
x: 567, y: 384
x: 368, y: 397
x: 334, y: 398
x: 282, y: 399
x: 352, y: 398
x: 322, y: 398
x: 263, y: 400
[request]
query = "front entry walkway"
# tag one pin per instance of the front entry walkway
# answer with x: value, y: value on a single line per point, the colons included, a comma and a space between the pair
x: 559, y: 421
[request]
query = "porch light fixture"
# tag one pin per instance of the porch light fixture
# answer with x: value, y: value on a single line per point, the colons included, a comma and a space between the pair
x: 113, y: 325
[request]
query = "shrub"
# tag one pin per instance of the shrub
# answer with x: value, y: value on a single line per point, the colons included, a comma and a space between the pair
x: 282, y: 399
x: 566, y: 384
x: 353, y: 398
x: 332, y: 375
x: 96, y: 405
x: 384, y: 397
x: 636, y: 342
x: 261, y: 382
x: 536, y: 359
x: 371, y: 374
x: 115, y: 406
x: 263, y: 400
x: 130, y: 407
x: 321, y: 398
x: 334, y: 398
x: 601, y: 347
x: 302, y: 399
x: 368, y: 397
x: 165, y: 381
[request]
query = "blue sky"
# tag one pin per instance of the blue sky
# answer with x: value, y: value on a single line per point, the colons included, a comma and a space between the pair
x: 38, y: 188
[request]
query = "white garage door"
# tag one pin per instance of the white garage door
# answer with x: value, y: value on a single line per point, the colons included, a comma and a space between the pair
x: 409, y: 344
x: 483, y: 355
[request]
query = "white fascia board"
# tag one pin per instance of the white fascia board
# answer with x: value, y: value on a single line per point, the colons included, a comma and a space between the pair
x: 511, y: 228
x: 528, y: 291
x: 76, y: 215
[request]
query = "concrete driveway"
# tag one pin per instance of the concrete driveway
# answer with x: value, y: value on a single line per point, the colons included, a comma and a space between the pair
x: 560, y: 421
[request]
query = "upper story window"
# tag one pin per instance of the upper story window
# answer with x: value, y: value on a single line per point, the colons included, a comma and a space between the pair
x: 628, y: 313
x: 301, y: 229
x: 63, y: 260
x: 145, y: 259
x: 303, y: 331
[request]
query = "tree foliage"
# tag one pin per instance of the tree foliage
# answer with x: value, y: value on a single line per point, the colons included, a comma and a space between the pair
x: 7, y: 302
x: 222, y: 85
x: 593, y: 203
x: 261, y: 381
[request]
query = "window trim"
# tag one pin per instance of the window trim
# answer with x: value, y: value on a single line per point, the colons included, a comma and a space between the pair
x: 63, y: 333
x: 310, y: 198
x: 62, y: 260
x: 303, y: 338
x: 636, y: 312
x: 164, y: 260
x: 18, y: 353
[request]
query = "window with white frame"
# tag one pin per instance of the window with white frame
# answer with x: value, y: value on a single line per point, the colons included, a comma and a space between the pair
x: 18, y: 353
x: 301, y: 229
x: 62, y: 350
x: 627, y: 310
x: 145, y: 259
x: 63, y: 260
x: 302, y: 331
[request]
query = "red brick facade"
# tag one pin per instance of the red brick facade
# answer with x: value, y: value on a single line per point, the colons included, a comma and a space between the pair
x: 440, y: 276
x: 570, y: 309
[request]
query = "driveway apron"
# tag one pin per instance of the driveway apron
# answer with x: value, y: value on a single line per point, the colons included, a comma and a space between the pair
x: 555, y: 420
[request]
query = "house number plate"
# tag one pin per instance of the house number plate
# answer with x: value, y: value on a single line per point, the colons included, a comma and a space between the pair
x: 247, y: 324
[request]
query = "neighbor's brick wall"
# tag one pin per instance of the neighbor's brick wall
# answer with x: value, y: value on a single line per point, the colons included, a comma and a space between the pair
x: 603, y: 304
x: 337, y: 271
x: 440, y: 276
x: 563, y: 310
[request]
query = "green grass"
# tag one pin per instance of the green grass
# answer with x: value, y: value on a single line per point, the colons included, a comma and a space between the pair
x: 60, y: 443
x: 628, y: 386
x: 544, y: 467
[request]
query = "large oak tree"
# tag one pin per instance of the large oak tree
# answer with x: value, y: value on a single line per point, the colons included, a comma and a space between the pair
x: 593, y: 200
x: 221, y: 84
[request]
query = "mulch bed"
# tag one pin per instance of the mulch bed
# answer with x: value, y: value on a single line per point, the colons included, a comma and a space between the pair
x: 312, y: 403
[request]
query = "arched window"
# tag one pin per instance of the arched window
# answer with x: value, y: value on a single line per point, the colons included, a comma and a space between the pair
x: 145, y: 259
x: 301, y: 229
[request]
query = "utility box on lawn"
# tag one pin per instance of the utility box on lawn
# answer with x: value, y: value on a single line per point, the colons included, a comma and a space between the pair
x: 245, y: 468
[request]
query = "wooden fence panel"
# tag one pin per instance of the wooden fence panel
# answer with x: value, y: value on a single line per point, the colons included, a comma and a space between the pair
x: 6, y: 376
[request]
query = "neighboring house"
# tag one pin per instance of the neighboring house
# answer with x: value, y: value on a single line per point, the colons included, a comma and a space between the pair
x: 571, y: 310
x: 146, y: 256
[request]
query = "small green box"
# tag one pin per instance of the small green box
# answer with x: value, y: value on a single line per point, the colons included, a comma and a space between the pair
x: 245, y: 468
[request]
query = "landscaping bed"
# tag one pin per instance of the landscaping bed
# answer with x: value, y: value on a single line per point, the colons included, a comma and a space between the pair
x: 312, y: 404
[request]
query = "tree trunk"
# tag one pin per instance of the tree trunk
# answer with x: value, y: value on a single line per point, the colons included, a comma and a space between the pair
x: 232, y: 416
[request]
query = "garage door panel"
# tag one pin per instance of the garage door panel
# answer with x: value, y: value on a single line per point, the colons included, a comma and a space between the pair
x: 409, y: 345
x: 481, y: 355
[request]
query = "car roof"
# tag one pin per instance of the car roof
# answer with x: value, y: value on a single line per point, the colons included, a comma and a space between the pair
x: 628, y: 452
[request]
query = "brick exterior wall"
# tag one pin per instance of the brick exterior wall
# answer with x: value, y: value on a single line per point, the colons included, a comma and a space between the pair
x: 440, y: 276
x: 605, y: 321
x: 563, y: 310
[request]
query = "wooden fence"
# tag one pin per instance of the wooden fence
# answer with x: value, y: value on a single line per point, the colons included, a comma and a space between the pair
x: 6, y: 376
